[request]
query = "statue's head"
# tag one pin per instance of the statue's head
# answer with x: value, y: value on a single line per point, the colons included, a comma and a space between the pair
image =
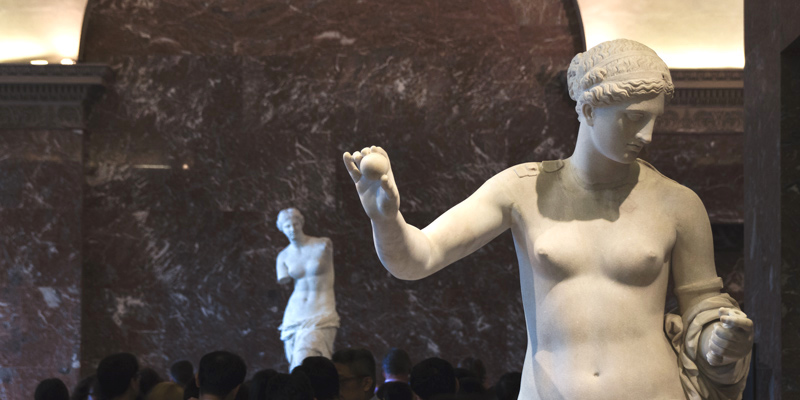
x: 617, y: 71
x: 290, y: 221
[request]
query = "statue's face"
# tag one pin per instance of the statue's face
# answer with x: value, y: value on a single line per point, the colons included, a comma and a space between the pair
x: 292, y: 227
x: 621, y: 130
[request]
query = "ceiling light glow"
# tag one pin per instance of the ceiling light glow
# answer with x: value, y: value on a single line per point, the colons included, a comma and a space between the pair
x: 40, y: 30
x: 684, y: 33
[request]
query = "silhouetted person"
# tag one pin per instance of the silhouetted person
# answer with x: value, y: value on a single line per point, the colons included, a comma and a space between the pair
x: 323, y: 376
x: 243, y: 393
x: 165, y: 391
x: 396, y: 366
x: 469, y: 385
x: 463, y: 373
x: 118, y: 377
x: 294, y: 386
x: 474, y: 365
x: 181, y: 372
x: 51, y: 389
x: 468, y: 382
x: 84, y: 387
x: 433, y: 377
x: 507, y: 387
x: 220, y: 375
x: 356, y: 368
x: 258, y: 384
x: 395, y: 391
x: 148, y: 379
x: 191, y: 391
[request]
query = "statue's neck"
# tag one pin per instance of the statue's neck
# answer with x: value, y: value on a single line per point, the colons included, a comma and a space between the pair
x: 299, y: 240
x: 590, y: 166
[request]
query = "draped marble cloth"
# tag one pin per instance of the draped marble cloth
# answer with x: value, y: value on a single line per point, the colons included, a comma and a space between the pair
x: 699, y: 381
x: 312, y: 336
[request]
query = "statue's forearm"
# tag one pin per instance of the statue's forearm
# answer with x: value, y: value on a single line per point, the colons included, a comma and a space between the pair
x: 402, y: 248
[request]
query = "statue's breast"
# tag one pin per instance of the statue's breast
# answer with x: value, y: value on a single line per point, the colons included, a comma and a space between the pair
x: 630, y: 255
x: 313, y: 261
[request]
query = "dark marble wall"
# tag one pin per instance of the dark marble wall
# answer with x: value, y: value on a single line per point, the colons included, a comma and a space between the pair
x: 772, y: 198
x: 222, y: 113
x: 40, y: 258
x: 790, y: 215
x: 708, y: 163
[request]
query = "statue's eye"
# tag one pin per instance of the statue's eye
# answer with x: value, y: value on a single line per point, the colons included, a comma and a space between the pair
x: 635, y: 116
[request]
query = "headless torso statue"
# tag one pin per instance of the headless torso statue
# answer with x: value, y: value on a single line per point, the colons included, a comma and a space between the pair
x: 597, y: 236
x: 310, y: 320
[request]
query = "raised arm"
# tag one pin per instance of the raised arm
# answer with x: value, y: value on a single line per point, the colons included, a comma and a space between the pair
x: 410, y: 253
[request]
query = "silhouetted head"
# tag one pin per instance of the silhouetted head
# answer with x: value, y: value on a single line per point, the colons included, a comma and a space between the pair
x: 395, y: 391
x: 433, y: 377
x: 356, y: 368
x: 474, y: 365
x: 117, y: 374
x: 148, y: 378
x: 258, y: 385
x: 181, y: 372
x: 397, y: 362
x: 323, y: 376
x: 507, y: 387
x: 294, y: 386
x: 84, y: 388
x: 220, y: 373
x: 51, y: 389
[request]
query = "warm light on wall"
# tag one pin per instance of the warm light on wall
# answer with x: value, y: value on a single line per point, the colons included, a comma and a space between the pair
x: 685, y: 33
x: 40, y: 30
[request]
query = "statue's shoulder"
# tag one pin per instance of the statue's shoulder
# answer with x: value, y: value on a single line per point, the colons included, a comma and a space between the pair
x: 534, y: 169
x: 282, y: 254
x: 520, y: 182
x: 661, y: 178
x: 325, y: 242
x: 672, y: 191
x: 516, y: 177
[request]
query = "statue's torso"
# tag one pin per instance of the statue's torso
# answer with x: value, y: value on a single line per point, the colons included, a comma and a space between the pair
x: 311, y: 268
x: 594, y: 266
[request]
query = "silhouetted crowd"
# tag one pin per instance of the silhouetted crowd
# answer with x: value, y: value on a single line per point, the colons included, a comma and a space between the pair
x: 351, y: 374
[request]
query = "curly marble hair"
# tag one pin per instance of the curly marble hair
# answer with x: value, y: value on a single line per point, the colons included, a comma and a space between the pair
x: 616, y: 71
x: 288, y: 213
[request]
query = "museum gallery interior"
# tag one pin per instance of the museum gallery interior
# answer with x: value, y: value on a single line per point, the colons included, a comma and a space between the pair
x: 181, y: 177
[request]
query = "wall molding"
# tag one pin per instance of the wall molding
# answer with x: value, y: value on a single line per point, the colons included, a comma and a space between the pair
x: 706, y: 101
x: 49, y: 96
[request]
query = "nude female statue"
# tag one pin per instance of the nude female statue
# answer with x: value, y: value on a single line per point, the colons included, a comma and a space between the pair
x: 596, y: 236
x: 310, y: 319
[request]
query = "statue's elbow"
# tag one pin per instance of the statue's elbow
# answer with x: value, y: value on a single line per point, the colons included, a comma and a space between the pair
x: 405, y: 274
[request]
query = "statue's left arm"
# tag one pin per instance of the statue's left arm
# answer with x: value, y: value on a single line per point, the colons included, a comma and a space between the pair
x: 282, y: 270
x: 718, y: 335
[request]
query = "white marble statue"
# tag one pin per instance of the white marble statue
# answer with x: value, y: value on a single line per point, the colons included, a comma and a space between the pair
x: 310, y: 320
x: 597, y: 236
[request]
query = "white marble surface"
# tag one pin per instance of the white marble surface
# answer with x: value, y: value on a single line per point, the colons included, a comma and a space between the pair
x: 597, y: 236
x: 310, y: 319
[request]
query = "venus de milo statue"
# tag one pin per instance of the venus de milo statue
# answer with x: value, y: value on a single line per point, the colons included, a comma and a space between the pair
x: 310, y: 320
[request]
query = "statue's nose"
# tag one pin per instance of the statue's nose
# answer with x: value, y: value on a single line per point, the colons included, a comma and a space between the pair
x: 645, y: 135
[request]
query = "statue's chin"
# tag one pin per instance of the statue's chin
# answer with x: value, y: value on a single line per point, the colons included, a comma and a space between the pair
x: 628, y: 157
